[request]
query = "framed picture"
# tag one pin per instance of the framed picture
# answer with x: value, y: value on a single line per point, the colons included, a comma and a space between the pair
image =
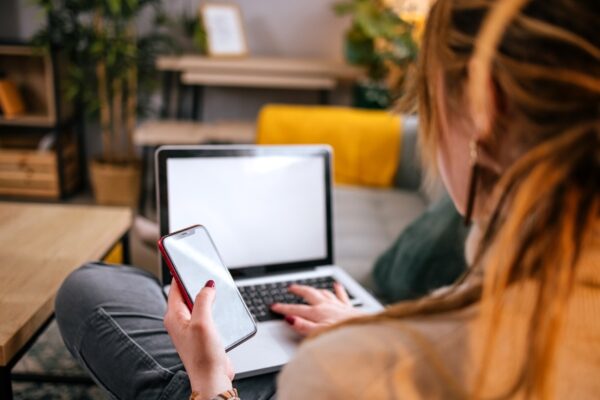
x: 224, y: 30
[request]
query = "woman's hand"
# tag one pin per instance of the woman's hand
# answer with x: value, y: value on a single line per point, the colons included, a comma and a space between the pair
x: 197, y: 342
x: 324, y: 308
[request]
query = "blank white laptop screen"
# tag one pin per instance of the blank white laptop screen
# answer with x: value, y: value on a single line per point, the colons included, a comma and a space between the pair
x: 258, y: 210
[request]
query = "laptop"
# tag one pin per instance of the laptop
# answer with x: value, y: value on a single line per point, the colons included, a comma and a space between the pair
x: 269, y: 212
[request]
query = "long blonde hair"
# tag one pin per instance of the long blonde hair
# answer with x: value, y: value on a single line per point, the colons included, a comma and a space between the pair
x: 543, y: 57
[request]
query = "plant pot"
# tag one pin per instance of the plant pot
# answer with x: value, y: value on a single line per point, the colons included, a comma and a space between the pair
x: 116, y: 184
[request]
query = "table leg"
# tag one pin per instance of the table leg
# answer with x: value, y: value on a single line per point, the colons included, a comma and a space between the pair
x: 126, y: 249
x: 5, y: 384
x: 167, y: 91
x: 153, y: 181
x: 180, y: 99
x: 198, y: 103
x: 146, y: 155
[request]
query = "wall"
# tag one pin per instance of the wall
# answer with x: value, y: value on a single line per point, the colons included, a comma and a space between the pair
x: 306, y: 28
x: 18, y: 19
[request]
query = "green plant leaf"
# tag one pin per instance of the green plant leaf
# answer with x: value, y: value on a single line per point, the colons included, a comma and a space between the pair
x: 376, y: 37
x: 132, y: 4
x: 200, y: 39
x: 71, y: 92
x: 366, y: 17
x: 360, y: 51
x: 344, y: 7
x: 97, y: 48
x: 114, y: 6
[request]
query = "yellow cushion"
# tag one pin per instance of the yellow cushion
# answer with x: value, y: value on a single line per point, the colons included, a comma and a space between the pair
x: 366, y: 143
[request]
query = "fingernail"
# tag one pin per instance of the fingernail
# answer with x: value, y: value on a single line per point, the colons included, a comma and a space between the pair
x: 210, y: 283
x: 289, y: 319
x: 274, y: 305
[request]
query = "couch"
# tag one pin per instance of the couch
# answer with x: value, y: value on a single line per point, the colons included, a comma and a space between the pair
x: 367, y: 221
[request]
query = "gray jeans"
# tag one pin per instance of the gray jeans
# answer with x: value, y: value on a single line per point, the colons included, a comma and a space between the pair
x: 111, y: 320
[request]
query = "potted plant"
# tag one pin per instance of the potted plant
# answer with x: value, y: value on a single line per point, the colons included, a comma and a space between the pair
x: 109, y: 66
x: 187, y: 32
x: 382, y: 42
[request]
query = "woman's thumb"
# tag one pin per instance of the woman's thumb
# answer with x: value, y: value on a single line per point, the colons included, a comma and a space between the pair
x: 204, y: 300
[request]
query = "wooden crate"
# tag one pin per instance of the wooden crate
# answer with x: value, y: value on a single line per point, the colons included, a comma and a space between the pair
x: 33, y: 173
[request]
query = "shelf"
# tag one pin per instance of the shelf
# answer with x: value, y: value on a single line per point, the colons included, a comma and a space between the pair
x: 157, y: 133
x: 42, y: 121
x: 258, y: 81
x: 29, y: 172
x: 269, y: 66
x: 32, y: 72
x: 25, y: 171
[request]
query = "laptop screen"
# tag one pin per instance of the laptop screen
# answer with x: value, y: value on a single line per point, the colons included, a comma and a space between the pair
x: 260, y: 209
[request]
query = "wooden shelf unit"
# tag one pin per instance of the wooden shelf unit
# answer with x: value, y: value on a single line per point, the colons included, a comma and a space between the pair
x: 197, y: 72
x: 34, y: 120
x: 26, y: 171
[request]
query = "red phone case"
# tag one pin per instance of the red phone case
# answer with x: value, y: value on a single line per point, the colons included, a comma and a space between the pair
x: 186, y: 297
x: 172, y: 269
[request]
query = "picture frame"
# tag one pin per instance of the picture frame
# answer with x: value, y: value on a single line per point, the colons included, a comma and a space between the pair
x: 225, y: 33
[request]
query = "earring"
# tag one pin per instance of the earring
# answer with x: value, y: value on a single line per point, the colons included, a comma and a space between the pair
x: 474, y: 157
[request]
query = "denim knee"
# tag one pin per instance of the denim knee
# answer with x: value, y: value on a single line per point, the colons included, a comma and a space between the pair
x: 96, y: 284
x: 71, y: 306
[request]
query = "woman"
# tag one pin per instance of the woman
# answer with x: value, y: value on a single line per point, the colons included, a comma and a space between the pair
x: 509, y: 102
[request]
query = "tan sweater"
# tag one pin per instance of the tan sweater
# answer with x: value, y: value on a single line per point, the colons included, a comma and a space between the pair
x: 435, y: 357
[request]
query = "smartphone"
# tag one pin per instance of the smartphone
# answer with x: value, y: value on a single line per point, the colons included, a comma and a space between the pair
x: 193, y: 259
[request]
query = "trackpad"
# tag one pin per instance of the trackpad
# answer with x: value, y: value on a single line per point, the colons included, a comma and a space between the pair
x: 272, y: 347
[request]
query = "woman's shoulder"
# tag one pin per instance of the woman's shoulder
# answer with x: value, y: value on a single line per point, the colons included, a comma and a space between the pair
x: 367, y: 360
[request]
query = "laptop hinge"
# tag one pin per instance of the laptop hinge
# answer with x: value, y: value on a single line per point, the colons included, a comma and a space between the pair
x: 256, y: 272
x: 248, y: 272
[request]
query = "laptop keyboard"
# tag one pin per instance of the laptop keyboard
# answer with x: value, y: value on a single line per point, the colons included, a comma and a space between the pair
x: 259, y: 297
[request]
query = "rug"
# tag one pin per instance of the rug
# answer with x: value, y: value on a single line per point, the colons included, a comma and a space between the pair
x: 50, y: 356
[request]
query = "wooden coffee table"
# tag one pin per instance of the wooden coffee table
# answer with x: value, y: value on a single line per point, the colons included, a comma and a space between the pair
x: 40, y: 244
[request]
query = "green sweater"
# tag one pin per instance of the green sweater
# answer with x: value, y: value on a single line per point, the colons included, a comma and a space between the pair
x: 427, y: 255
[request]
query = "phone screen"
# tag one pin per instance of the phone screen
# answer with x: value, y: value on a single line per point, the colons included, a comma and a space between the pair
x: 196, y: 260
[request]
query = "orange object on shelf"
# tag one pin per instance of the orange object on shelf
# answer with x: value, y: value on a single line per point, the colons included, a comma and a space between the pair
x: 11, y: 101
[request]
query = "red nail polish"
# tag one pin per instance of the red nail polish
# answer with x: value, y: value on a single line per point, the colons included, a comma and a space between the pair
x: 210, y: 283
x: 289, y: 319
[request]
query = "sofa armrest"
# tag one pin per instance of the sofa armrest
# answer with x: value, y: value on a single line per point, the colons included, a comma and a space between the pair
x: 408, y: 175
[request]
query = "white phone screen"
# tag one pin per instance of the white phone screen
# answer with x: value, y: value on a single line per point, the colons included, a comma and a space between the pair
x: 196, y: 260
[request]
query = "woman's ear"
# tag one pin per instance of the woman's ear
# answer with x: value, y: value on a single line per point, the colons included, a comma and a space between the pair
x: 487, y: 102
